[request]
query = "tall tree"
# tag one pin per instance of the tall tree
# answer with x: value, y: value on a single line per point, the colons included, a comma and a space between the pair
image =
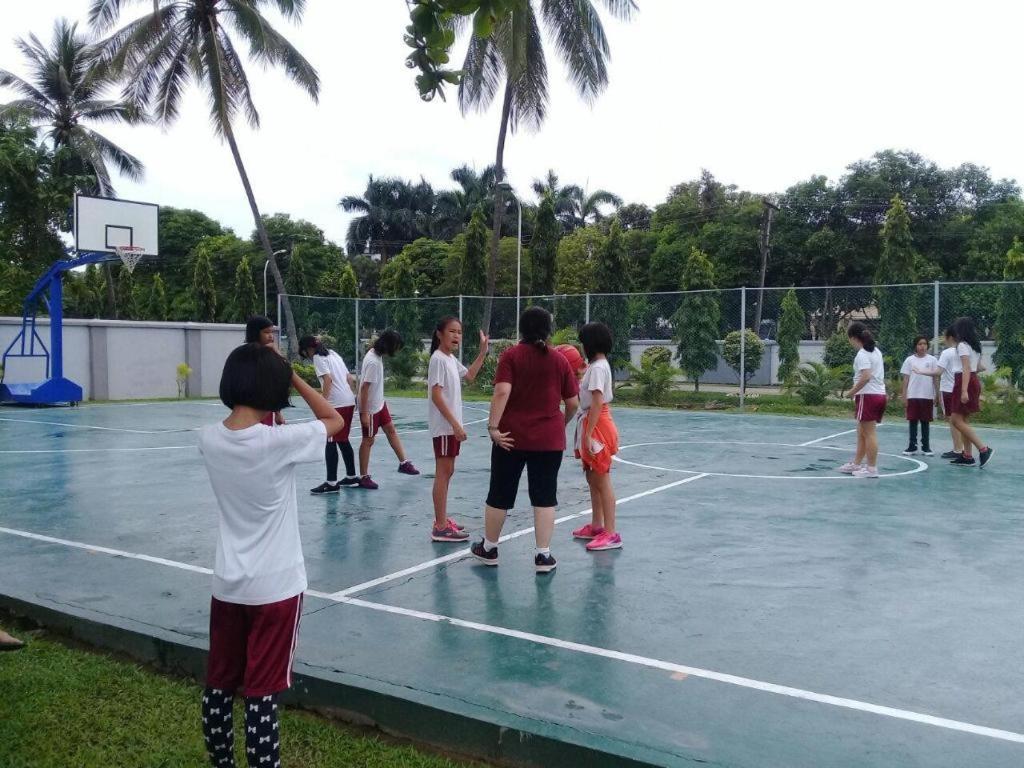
x: 586, y: 207
x: 1009, y: 328
x: 612, y: 307
x: 157, y: 308
x: 127, y: 295
x: 896, y: 305
x: 454, y: 208
x: 297, y: 281
x: 97, y: 288
x: 544, y: 246
x: 66, y: 95
x: 182, y: 40
x: 511, y: 59
x: 405, y: 318
x: 473, y: 278
x: 204, y: 293
x: 791, y: 331
x: 244, y: 292
x: 697, y: 319
x: 392, y: 213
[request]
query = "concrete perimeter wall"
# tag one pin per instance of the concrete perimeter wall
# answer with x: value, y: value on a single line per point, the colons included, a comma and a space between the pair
x: 125, y: 360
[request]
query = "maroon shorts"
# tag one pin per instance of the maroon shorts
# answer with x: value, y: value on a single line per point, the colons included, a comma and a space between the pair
x: 446, y: 447
x: 341, y: 436
x: 380, y: 419
x: 870, y: 407
x: 269, y: 419
x: 947, y: 403
x: 252, y: 646
x: 920, y: 409
x: 973, y: 404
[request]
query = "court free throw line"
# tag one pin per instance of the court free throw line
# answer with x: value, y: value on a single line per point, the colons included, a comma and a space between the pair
x: 568, y: 645
x: 828, y: 437
x: 507, y: 537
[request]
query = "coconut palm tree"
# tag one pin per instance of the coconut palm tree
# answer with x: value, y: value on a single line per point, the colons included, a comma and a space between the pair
x: 65, y: 94
x: 584, y: 208
x: 511, y: 60
x: 393, y: 213
x: 561, y: 196
x: 455, y: 207
x: 180, y: 41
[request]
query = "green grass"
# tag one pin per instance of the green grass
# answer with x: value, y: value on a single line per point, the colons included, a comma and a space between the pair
x: 63, y: 707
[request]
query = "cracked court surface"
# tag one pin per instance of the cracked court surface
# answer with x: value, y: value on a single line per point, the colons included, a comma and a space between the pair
x: 763, y: 612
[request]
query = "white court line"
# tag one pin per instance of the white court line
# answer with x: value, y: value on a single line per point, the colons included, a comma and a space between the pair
x: 106, y: 550
x: 827, y: 437
x: 568, y: 645
x: 105, y: 429
x: 507, y: 537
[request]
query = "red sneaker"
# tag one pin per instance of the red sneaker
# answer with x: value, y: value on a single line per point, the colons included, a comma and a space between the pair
x: 588, y: 531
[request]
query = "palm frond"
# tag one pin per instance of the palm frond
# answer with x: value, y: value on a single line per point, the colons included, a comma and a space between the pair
x: 83, y: 145
x: 621, y: 9
x: 529, y: 75
x: 171, y: 85
x: 108, y: 111
x: 268, y: 46
x: 25, y: 88
x: 222, y: 106
x: 353, y: 204
x: 237, y: 80
x: 581, y: 43
x: 27, y: 109
x: 483, y: 73
x: 103, y: 14
x: 127, y: 164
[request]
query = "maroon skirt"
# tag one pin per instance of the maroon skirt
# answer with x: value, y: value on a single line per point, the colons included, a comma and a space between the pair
x: 920, y: 409
x: 870, y: 407
x: 973, y: 404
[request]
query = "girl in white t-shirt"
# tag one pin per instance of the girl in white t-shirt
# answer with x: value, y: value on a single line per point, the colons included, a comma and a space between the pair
x: 336, y: 385
x: 597, y: 438
x: 373, y: 408
x: 967, y: 392
x: 444, y: 416
x: 919, y: 395
x: 945, y: 371
x: 868, y: 393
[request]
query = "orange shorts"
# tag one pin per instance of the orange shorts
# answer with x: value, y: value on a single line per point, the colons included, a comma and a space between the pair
x: 605, y: 435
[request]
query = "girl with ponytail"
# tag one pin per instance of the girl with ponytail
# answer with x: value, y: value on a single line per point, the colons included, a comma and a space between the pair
x: 869, y: 395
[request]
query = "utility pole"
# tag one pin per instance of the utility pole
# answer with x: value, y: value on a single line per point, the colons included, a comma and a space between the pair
x: 767, y: 214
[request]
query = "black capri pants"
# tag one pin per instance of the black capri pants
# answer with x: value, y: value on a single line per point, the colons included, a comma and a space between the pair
x: 541, y: 475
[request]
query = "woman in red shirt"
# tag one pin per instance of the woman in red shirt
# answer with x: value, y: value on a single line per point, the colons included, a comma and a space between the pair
x: 527, y: 427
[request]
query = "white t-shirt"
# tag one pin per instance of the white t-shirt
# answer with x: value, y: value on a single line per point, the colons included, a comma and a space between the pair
x: 252, y: 471
x: 597, y: 378
x: 341, y: 395
x: 373, y: 374
x: 870, y: 361
x: 964, y: 349
x: 950, y: 364
x: 447, y: 372
x: 920, y: 387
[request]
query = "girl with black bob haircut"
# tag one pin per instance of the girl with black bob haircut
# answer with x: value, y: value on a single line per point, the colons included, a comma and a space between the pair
x: 259, y: 330
x: 336, y: 385
x: 374, y: 415
x: 256, y: 376
x: 967, y: 392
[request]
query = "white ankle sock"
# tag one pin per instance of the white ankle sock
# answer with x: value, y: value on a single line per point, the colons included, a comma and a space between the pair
x: 489, y: 546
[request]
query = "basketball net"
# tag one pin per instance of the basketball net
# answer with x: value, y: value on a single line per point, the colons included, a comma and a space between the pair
x: 130, y: 255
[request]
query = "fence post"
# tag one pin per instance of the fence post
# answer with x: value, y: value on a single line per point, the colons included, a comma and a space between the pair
x: 355, y: 347
x: 743, y: 345
x: 586, y: 313
x: 935, y: 320
x: 284, y: 346
x: 461, y: 358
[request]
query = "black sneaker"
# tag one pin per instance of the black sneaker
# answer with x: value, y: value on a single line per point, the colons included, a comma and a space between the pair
x: 950, y: 455
x: 544, y: 563
x: 927, y: 452
x: 323, y: 488
x: 481, y: 554
x: 964, y: 461
x: 910, y: 451
x: 985, y: 455
x: 349, y: 482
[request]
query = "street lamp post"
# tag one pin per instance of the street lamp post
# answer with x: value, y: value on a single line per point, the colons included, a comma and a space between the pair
x: 265, y: 265
x: 506, y: 187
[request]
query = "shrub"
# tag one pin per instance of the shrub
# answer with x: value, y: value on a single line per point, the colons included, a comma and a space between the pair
x: 813, y: 383
x: 657, y: 355
x: 406, y: 366
x: 653, y: 380
x: 839, y: 359
x: 307, y: 373
x: 485, y: 379
x: 753, y: 352
x: 566, y: 336
x: 181, y: 374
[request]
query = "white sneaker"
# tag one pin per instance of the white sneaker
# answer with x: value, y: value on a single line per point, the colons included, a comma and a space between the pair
x: 850, y: 468
x: 867, y: 473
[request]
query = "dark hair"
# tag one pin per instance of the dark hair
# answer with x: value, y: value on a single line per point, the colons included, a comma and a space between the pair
x: 535, y: 327
x: 950, y: 333
x: 256, y: 376
x: 860, y: 332
x: 253, y: 326
x: 925, y: 339
x: 964, y: 331
x: 596, y: 339
x: 442, y: 325
x: 388, y: 343
x: 314, y: 343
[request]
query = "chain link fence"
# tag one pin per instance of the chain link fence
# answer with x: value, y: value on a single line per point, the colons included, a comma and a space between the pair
x: 640, y: 321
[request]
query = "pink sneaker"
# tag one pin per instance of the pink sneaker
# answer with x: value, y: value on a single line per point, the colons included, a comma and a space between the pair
x: 849, y: 468
x: 588, y: 531
x: 605, y: 541
x: 455, y: 525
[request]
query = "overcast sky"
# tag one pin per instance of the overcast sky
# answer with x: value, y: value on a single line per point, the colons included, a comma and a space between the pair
x: 762, y: 94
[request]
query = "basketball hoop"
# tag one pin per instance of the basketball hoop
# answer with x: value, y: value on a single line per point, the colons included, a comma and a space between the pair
x: 130, y: 255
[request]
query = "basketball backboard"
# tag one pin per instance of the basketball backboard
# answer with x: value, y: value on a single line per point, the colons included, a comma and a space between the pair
x: 102, y: 224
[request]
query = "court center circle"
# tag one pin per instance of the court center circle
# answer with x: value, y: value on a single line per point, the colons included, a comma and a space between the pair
x: 919, y: 466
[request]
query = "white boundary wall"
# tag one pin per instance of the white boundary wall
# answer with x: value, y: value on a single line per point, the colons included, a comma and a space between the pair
x: 128, y: 359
